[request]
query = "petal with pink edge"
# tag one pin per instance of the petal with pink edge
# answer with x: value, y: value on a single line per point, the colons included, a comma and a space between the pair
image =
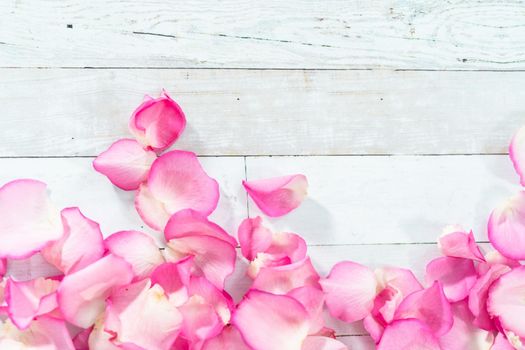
x: 28, y: 220
x: 46, y: 333
x: 429, y: 306
x: 136, y: 248
x: 253, y: 237
x: 517, y: 153
x: 200, y: 320
x: 125, y: 163
x: 82, y: 295
x: 460, y: 245
x: 176, y: 181
x: 350, y: 289
x: 80, y: 245
x: 410, y: 334
x: 501, y: 343
x: 229, y: 338
x: 506, y: 301
x: 28, y: 299
x: 506, y: 227
x: 3, y: 267
x: 267, y: 321
x: 322, y: 343
x: 313, y: 301
x: 157, y: 123
x: 219, y: 299
x: 174, y: 278
x: 141, y: 314
x: 278, y: 196
x: 457, y: 276
x: 190, y: 222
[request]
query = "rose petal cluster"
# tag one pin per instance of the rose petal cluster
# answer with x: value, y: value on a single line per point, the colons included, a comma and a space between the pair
x: 128, y: 290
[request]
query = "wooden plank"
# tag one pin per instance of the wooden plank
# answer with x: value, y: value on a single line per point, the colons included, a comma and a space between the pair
x: 364, y: 200
x: 271, y: 34
x: 247, y: 112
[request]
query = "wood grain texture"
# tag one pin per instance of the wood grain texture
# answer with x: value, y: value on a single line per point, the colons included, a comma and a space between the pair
x: 271, y: 34
x: 245, y: 112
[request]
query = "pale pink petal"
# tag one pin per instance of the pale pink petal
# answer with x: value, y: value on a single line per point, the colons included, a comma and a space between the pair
x: 506, y: 227
x: 429, y: 306
x: 268, y: 322
x: 501, y: 343
x: 460, y: 245
x: 464, y: 335
x: 141, y: 314
x: 80, y: 245
x: 322, y: 343
x: 278, y: 196
x: 82, y: 295
x: 253, y: 237
x: 506, y: 300
x: 350, y: 289
x: 214, y: 257
x: 286, y: 248
x: 219, y: 299
x: 174, y: 278
x: 176, y: 181
x: 517, y: 153
x: 410, y: 334
x: 457, y: 276
x: 229, y: 339
x: 136, y: 248
x: 45, y: 333
x: 28, y: 221
x: 99, y: 339
x: 477, y: 299
x: 313, y: 300
x: 200, y: 320
x: 28, y: 299
x: 157, y: 123
x: 125, y: 163
x: 282, y: 279
x: 190, y: 222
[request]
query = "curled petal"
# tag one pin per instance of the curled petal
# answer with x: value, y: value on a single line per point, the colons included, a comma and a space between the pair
x: 28, y: 221
x: 28, y: 299
x: 506, y: 227
x: 429, y: 306
x: 410, y: 334
x: 322, y: 343
x: 190, y: 222
x: 278, y: 196
x: 200, y: 321
x: 141, y: 314
x: 44, y: 333
x: 82, y: 295
x: 506, y: 302
x: 125, y: 163
x: 350, y: 289
x: 176, y: 181
x: 267, y: 321
x: 457, y: 276
x: 220, y: 300
x: 136, y: 248
x: 157, y: 123
x: 253, y: 237
x: 229, y: 338
x: 517, y: 153
x: 460, y: 244
x: 80, y: 245
x: 313, y: 300
x: 174, y: 279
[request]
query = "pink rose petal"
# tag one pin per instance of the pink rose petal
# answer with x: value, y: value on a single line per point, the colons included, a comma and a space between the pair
x: 125, y: 163
x: 350, y: 289
x: 506, y: 227
x: 157, y: 123
x: 229, y: 338
x: 460, y: 245
x: 46, y: 333
x: 253, y: 237
x: 457, y: 276
x: 501, y: 343
x: 174, y: 278
x: 3, y: 267
x: 268, y: 322
x: 80, y: 245
x: 517, y: 153
x: 506, y: 300
x: 313, y: 301
x: 28, y: 221
x: 429, y: 306
x: 410, y: 334
x: 176, y: 181
x: 136, y: 248
x: 82, y: 295
x: 278, y: 196
x: 322, y: 343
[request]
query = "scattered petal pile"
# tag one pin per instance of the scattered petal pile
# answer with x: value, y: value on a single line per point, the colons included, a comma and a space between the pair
x: 130, y: 291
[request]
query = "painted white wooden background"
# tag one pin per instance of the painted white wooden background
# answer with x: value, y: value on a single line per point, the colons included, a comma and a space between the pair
x: 399, y: 112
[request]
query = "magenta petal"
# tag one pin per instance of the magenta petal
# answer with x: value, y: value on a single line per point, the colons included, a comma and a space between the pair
x: 3, y: 267
x: 176, y: 181
x: 506, y: 300
x: 501, y: 343
x: 429, y: 306
x: 460, y: 245
x: 506, y: 227
x: 28, y: 221
x: 157, y: 123
x: 253, y: 237
x: 80, y: 245
x: 517, y: 153
x: 457, y: 276
x: 174, y: 279
x: 82, y: 295
x: 278, y: 196
x: 410, y: 334
x: 350, y: 289
x: 268, y: 322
